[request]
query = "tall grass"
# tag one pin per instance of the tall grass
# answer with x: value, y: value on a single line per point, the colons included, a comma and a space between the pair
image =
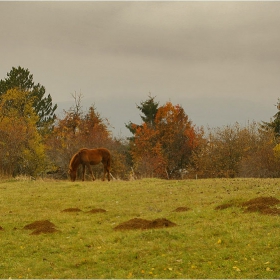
x: 206, y: 243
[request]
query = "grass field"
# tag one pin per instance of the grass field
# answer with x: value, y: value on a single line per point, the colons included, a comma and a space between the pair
x: 215, y: 238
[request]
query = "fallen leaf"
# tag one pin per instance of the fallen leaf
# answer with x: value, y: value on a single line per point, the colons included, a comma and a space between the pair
x: 236, y: 268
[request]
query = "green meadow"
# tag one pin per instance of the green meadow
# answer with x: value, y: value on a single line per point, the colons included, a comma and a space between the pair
x: 215, y: 235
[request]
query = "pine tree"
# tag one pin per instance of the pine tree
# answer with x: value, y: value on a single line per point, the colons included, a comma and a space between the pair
x: 21, y: 79
x: 149, y: 110
x: 275, y: 123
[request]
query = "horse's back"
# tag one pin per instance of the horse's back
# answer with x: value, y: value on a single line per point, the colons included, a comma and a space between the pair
x: 104, y: 151
x: 94, y: 155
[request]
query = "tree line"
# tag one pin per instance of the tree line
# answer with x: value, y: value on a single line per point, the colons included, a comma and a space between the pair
x: 166, y: 144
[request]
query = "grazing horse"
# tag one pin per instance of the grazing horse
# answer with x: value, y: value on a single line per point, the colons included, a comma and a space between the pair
x: 88, y: 157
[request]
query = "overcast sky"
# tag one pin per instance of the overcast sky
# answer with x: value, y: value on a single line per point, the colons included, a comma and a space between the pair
x: 219, y: 60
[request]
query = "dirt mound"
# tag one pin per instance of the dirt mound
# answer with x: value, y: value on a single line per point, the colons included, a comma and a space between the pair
x: 44, y: 230
x: 96, y: 210
x: 41, y: 227
x: 38, y: 224
x: 182, y: 209
x: 1, y: 228
x: 268, y: 201
x: 271, y: 211
x: 72, y: 210
x: 138, y: 223
x: 263, y: 205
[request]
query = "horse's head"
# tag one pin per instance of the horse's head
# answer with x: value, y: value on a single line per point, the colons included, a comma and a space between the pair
x: 72, y: 174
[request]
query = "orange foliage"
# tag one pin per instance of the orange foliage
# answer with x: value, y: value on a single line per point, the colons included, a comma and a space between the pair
x: 77, y: 130
x: 165, y: 147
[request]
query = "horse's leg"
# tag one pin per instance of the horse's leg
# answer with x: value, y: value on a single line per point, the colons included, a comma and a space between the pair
x: 104, y: 172
x: 107, y: 170
x: 90, y: 170
x: 84, y: 171
x: 108, y: 165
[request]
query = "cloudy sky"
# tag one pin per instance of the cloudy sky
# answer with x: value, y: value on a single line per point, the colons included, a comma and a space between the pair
x: 219, y: 60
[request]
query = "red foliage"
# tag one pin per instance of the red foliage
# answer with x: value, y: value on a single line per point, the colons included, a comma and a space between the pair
x: 162, y: 149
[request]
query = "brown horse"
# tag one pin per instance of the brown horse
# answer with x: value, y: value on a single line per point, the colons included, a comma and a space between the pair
x: 88, y: 157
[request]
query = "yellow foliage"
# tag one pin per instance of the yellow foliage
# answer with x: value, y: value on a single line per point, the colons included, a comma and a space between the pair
x: 21, y: 148
x: 276, y: 151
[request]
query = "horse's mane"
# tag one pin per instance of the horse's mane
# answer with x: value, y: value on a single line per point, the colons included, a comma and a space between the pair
x: 73, y: 160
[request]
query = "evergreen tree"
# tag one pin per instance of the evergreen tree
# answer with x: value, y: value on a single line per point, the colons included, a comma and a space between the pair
x: 275, y: 123
x: 149, y: 109
x: 21, y: 79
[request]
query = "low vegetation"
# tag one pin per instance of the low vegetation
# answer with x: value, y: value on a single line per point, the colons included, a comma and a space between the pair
x: 210, y: 228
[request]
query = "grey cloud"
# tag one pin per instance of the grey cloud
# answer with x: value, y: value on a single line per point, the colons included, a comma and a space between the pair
x: 121, y: 51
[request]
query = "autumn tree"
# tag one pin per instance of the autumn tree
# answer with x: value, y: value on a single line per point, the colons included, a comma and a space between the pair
x: 236, y: 151
x: 21, y: 79
x: 79, y: 129
x: 177, y: 136
x: 267, y: 154
x: 21, y: 147
x: 262, y: 159
x: 146, y: 152
x: 166, y: 147
x: 222, y: 153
